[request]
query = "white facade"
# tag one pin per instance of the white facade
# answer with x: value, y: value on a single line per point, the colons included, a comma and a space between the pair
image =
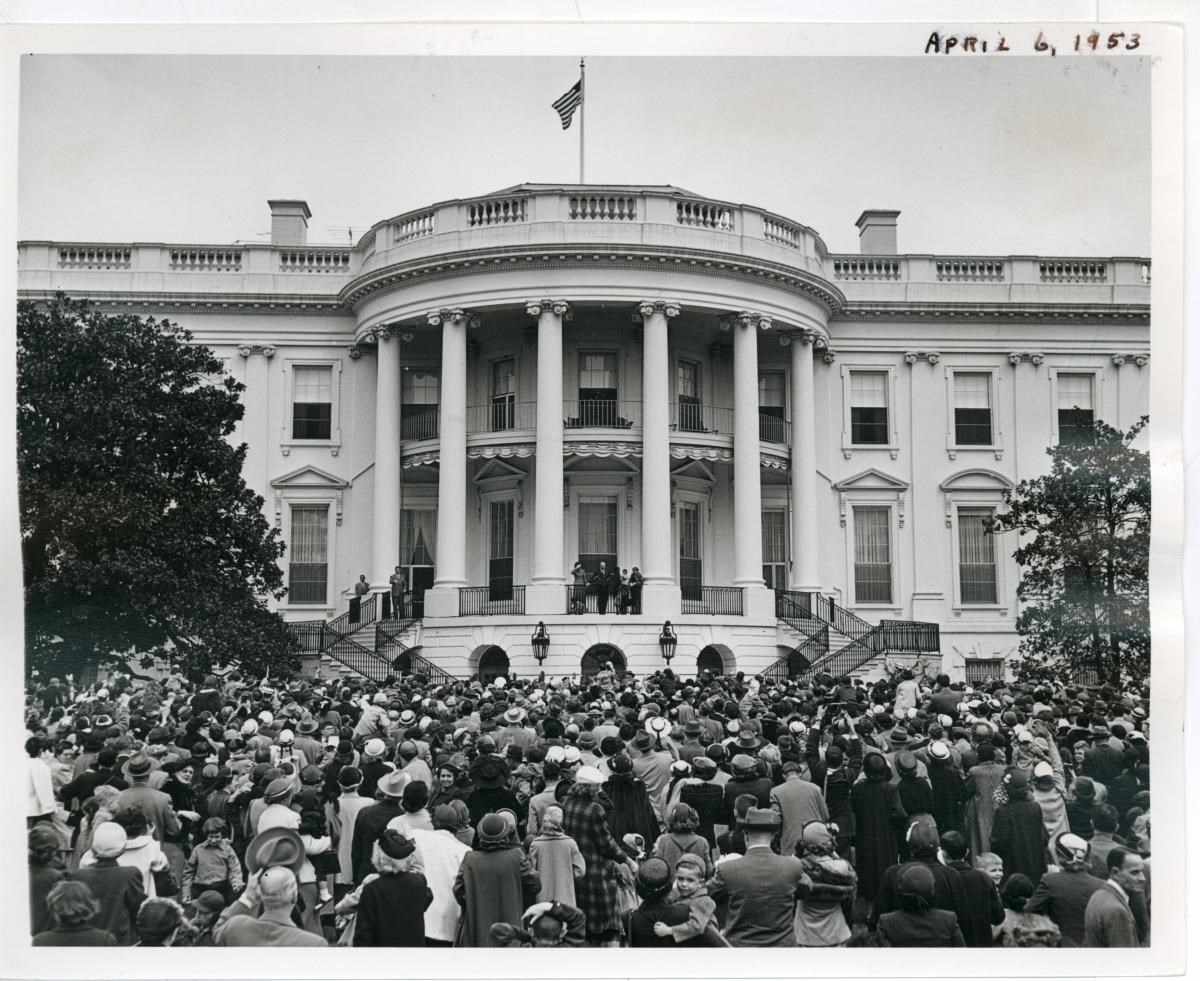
x: 688, y: 386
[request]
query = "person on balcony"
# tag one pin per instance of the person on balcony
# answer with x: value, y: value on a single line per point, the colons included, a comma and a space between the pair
x: 397, y: 585
x: 579, y: 578
x: 361, y: 589
x: 635, y: 591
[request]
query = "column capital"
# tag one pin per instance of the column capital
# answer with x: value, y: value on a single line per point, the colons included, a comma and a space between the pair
x: 648, y: 308
x: 802, y: 336
x: 746, y: 318
x: 266, y: 350
x: 560, y: 308
x: 453, y: 315
x: 385, y: 332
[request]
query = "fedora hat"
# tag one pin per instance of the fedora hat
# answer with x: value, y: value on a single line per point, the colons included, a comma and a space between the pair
x: 761, y: 817
x: 586, y: 740
x: 308, y: 727
x: 747, y: 739
x: 514, y: 715
x: 393, y: 784
x: 693, y: 728
x: 275, y: 847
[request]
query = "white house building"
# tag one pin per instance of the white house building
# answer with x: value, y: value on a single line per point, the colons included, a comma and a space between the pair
x: 796, y: 449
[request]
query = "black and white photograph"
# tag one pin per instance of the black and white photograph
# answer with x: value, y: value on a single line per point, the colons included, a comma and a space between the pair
x: 569, y: 497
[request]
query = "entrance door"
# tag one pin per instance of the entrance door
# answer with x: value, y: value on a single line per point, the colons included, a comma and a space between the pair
x: 492, y: 665
x: 418, y: 538
x: 597, y: 535
x: 691, y: 560
x: 710, y: 660
x: 595, y: 658
x: 687, y: 384
x: 504, y: 395
x: 500, y: 558
x: 597, y: 390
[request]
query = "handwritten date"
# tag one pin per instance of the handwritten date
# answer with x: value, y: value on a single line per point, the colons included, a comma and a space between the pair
x: 940, y: 43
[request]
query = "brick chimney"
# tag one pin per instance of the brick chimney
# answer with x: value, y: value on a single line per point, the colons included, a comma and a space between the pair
x: 289, y: 222
x: 877, y: 232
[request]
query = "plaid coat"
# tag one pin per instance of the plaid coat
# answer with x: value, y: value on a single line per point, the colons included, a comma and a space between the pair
x: 596, y: 892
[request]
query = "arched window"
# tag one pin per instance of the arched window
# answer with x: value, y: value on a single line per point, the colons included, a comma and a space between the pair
x: 492, y: 664
x: 709, y: 659
x: 595, y: 658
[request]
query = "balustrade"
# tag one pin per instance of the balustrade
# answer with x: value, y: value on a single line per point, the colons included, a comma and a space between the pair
x: 600, y: 208
x: 601, y: 414
x: 315, y: 260
x: 501, y: 416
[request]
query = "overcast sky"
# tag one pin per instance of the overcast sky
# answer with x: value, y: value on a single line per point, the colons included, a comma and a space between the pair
x: 998, y: 156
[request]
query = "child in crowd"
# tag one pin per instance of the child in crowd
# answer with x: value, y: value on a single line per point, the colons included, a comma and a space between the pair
x: 556, y: 858
x: 689, y: 889
x: 313, y: 828
x: 213, y: 865
x: 681, y: 839
x: 992, y: 864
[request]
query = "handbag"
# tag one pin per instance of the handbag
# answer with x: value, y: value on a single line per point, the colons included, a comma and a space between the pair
x: 164, y: 882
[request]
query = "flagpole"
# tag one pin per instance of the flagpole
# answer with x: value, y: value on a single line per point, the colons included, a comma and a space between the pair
x: 582, y: 116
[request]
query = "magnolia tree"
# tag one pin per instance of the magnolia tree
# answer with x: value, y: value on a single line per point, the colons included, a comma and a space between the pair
x: 140, y: 540
x: 1083, y: 543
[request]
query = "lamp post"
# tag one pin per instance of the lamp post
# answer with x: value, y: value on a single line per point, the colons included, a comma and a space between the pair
x: 667, y: 642
x: 541, y: 643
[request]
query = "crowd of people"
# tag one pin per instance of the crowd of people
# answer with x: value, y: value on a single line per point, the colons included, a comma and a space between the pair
x: 651, y: 811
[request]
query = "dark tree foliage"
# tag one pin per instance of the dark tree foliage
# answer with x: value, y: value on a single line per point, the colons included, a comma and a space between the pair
x: 1084, y: 551
x: 140, y: 538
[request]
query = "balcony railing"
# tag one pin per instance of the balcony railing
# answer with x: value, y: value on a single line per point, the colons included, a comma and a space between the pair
x: 720, y: 601
x: 772, y: 429
x: 696, y: 417
x: 419, y: 422
x: 601, y: 414
x: 501, y: 417
x: 586, y: 599
x: 498, y: 599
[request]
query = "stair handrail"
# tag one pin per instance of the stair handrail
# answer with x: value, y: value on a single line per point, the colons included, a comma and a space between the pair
x: 422, y: 665
x: 359, y: 658
x: 390, y: 631
x: 341, y: 626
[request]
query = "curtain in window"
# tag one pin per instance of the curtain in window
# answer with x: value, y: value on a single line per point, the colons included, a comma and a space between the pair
x: 418, y: 537
x: 972, y: 390
x: 597, y: 534
x: 312, y: 383
x: 774, y: 548
x: 308, y: 566
x: 868, y: 389
x: 872, y: 555
x: 972, y: 408
x: 1074, y: 391
x: 312, y: 401
x: 976, y: 557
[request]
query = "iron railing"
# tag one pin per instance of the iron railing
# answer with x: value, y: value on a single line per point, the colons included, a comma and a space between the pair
x: 501, y: 416
x: 910, y: 636
x: 358, y: 658
x: 419, y: 422
x: 341, y: 627
x: 422, y: 666
x: 772, y: 429
x: 586, y: 599
x: 491, y: 601
x: 696, y: 417
x: 601, y: 414
x: 721, y: 601
x: 308, y: 634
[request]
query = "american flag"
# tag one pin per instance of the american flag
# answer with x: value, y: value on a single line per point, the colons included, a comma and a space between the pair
x: 566, y: 104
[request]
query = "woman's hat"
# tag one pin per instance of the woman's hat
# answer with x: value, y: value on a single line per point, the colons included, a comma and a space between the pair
x: 589, y: 775
x: 621, y: 764
x: 938, y: 750
x: 109, y: 840
x: 275, y: 847
x: 307, y: 727
x: 395, y: 845
x: 492, y: 829
x: 392, y: 784
x: 743, y: 764
x: 278, y: 789
x: 408, y: 717
x: 375, y: 747
x: 489, y: 772
x: 747, y: 739
x: 653, y: 878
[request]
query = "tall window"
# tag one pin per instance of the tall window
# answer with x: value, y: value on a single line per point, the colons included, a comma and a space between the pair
x: 972, y: 408
x: 687, y: 387
x: 869, y: 408
x: 771, y: 407
x: 308, y: 566
x: 419, y: 397
x: 504, y: 394
x: 691, y: 561
x: 418, y: 551
x: 872, y: 555
x: 1076, y: 407
x: 597, y: 534
x: 597, y: 389
x: 500, y: 558
x: 312, y: 401
x: 976, y: 557
x: 774, y: 549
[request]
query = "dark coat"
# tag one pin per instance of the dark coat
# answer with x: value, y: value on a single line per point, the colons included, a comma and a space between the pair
x: 82, y: 936
x: 878, y: 817
x: 118, y: 889
x: 489, y: 800
x: 495, y: 885
x: 949, y: 797
x: 949, y: 892
x: 1063, y: 896
x: 370, y: 823
x: 41, y: 880
x: 983, y: 910
x: 642, y: 920
x: 933, y: 928
x: 707, y: 799
x: 762, y: 888
x: 760, y: 787
x: 1019, y: 837
x: 632, y: 812
x: 391, y: 911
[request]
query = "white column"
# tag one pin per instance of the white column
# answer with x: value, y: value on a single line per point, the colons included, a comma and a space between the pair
x: 747, y: 489
x: 805, y: 573
x: 660, y: 592
x: 545, y: 594
x: 451, y: 558
x: 385, y: 526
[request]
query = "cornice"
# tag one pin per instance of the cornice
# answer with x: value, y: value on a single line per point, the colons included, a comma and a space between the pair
x: 1092, y: 313
x: 279, y: 304
x: 606, y: 256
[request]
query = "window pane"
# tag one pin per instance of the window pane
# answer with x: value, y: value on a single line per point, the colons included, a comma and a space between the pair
x: 312, y: 402
x: 869, y: 426
x: 504, y: 378
x: 691, y: 567
x: 1074, y: 391
x: 598, y: 371
x: 687, y: 376
x: 1075, y: 426
x: 770, y: 389
x: 418, y: 537
x: 872, y: 555
x: 774, y: 536
x: 973, y: 427
x: 976, y: 557
x: 868, y: 389
x: 420, y: 387
x: 597, y: 534
x: 308, y: 566
x: 972, y: 390
x: 500, y: 564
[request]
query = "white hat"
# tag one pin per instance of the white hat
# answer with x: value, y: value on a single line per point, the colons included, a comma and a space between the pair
x: 1025, y: 736
x: 571, y: 755
x: 1043, y: 769
x: 657, y: 725
x: 589, y: 775
x: 500, y: 681
x: 945, y: 721
x: 555, y: 754
x: 287, y: 736
x: 939, y: 750
x: 249, y: 727
x: 265, y: 717
x: 374, y: 747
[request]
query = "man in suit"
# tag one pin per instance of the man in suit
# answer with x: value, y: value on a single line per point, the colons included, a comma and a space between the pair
x: 156, y: 805
x: 262, y: 916
x: 1064, y: 895
x: 983, y: 908
x: 761, y: 887
x: 373, y: 819
x: 797, y: 802
x: 1108, y: 920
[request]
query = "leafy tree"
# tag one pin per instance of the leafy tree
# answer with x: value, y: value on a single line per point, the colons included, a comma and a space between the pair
x: 140, y: 538
x: 1084, y: 550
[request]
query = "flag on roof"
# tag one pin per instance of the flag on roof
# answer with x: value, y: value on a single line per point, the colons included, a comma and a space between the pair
x: 566, y: 104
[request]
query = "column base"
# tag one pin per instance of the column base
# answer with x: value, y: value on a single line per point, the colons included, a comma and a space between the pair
x: 758, y: 602
x: 661, y: 599
x: 546, y: 599
x: 441, y: 601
